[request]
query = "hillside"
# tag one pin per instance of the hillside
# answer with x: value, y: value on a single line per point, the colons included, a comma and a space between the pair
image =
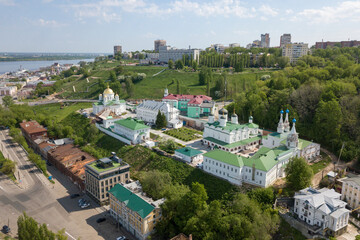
x: 152, y: 87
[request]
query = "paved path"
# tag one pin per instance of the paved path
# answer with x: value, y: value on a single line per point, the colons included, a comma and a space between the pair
x: 50, y: 203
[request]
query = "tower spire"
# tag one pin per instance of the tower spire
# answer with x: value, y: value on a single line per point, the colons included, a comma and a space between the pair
x: 280, y: 128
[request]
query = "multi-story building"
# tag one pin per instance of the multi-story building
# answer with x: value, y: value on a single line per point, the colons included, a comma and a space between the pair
x: 149, y: 109
x: 285, y: 39
x: 129, y: 130
x: 137, y: 213
x: 219, y: 48
x: 33, y: 131
x: 256, y: 43
x: 159, y: 43
x: 244, y: 156
x: 167, y: 53
x: 294, y: 51
x: 265, y: 40
x: 350, y: 192
x: 70, y: 161
x: 103, y: 174
x: 194, y: 106
x: 322, y: 210
x: 117, y: 49
x: 324, y: 45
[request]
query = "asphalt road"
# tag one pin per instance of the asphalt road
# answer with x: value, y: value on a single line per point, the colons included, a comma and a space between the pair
x: 49, y: 203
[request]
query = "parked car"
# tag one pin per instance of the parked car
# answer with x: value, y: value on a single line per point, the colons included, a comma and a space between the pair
x: 121, y: 238
x: 81, y: 200
x: 5, y: 229
x: 85, y: 205
x: 100, y: 220
x: 75, y: 195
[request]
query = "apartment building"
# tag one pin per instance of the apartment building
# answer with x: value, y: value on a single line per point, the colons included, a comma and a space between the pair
x: 294, y: 51
x: 350, y: 192
x: 167, y: 53
x: 130, y: 208
x: 158, y: 43
x: 324, y: 45
x: 103, y: 174
x: 117, y: 49
x: 285, y: 39
x: 265, y: 40
x: 322, y: 210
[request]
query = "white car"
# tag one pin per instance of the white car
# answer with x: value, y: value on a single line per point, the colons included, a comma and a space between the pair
x: 121, y: 238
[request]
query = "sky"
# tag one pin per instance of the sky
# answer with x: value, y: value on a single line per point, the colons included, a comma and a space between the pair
x: 95, y: 26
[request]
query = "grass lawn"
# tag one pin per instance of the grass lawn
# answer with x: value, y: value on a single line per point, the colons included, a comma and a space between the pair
x: 54, y: 110
x: 152, y: 87
x: 184, y: 134
x: 286, y: 232
x: 317, y: 167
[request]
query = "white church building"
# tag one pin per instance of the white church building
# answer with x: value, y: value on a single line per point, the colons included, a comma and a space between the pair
x: 231, y: 136
x: 109, y: 101
x: 149, y: 109
x: 267, y: 164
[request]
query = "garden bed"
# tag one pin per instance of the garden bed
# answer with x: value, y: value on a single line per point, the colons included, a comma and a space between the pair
x: 184, y: 134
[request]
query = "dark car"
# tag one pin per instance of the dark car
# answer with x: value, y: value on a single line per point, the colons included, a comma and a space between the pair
x: 75, y: 195
x: 5, y: 229
x: 100, y: 220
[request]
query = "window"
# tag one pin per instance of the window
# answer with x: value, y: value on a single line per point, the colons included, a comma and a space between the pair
x: 216, y: 164
x: 228, y: 167
x: 257, y: 173
x: 110, y: 180
x: 261, y: 174
x: 106, y: 182
x: 126, y: 175
x: 260, y: 181
x: 102, y: 184
x: 232, y: 169
x: 323, y: 216
x: 236, y: 170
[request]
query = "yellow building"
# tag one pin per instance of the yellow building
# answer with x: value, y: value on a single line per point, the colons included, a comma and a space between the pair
x: 132, y: 210
x: 350, y: 192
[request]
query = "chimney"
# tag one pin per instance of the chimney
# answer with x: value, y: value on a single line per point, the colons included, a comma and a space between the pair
x: 190, y: 237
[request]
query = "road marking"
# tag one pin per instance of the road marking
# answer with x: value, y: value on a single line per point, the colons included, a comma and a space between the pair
x: 1, y: 188
x: 70, y: 235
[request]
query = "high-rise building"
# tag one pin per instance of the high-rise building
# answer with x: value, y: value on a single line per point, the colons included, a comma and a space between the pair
x: 232, y: 45
x: 265, y: 40
x: 285, y: 39
x: 158, y: 43
x: 117, y: 49
x: 294, y: 51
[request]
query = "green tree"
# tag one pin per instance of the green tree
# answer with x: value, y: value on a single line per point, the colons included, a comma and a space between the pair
x: 112, y: 76
x: 7, y: 166
x: 179, y: 64
x: 130, y: 88
x: 298, y: 174
x: 171, y: 64
x: 7, y: 101
x: 160, y: 120
x: 155, y: 182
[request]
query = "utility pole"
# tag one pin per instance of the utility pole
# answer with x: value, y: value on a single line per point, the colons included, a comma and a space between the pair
x: 342, y: 147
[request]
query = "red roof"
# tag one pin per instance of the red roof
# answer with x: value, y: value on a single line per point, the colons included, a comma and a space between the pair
x: 32, y: 127
x: 194, y: 99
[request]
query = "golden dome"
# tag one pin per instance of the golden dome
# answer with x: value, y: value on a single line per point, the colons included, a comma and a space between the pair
x: 108, y: 90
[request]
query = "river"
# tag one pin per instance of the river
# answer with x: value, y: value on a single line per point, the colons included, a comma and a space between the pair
x: 35, y: 65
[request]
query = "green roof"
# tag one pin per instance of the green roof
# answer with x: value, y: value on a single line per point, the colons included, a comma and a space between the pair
x: 225, y: 157
x: 265, y: 158
x: 231, y: 126
x: 131, y: 200
x: 188, y: 151
x: 132, y: 123
x: 98, y: 103
x: 115, y: 164
x: 235, y: 144
x: 303, y: 143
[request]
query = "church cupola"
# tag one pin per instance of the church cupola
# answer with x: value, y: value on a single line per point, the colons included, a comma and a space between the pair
x: 280, y: 128
x: 117, y: 98
x: 292, y: 140
x: 234, y: 118
x: 223, y: 112
x: 222, y: 121
x: 211, y: 118
x: 166, y: 92
x: 286, y: 122
x: 250, y: 119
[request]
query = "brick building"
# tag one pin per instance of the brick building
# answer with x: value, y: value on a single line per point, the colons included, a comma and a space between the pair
x: 32, y: 131
x: 71, y: 161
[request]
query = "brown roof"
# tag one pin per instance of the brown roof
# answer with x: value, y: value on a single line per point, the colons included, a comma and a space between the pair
x: 72, y: 158
x: 46, y: 144
x: 182, y: 236
x: 32, y: 127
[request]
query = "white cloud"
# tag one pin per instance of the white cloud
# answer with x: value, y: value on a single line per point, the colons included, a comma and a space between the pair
x: 289, y: 11
x: 268, y: 11
x: 7, y: 2
x: 47, y: 23
x: 345, y: 10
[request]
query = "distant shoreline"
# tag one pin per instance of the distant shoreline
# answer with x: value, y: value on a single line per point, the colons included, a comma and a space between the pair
x: 11, y: 59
